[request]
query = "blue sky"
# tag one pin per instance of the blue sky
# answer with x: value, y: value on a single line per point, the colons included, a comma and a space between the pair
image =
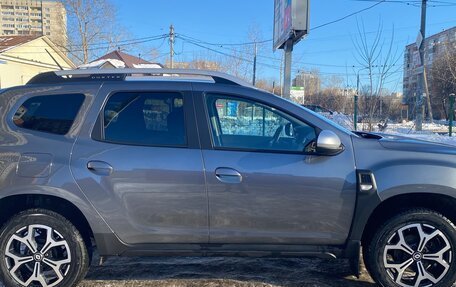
x: 329, y: 49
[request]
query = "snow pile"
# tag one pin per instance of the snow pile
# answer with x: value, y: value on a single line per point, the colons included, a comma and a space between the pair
x: 342, y: 119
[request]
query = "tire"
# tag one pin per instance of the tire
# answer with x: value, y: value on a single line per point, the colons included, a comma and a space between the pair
x: 416, y: 245
x: 54, y: 255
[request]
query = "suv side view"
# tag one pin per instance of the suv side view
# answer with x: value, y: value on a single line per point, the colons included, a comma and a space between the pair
x: 145, y: 162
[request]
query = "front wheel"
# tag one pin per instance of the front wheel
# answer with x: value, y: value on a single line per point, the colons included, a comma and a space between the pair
x: 413, y: 249
x: 41, y: 248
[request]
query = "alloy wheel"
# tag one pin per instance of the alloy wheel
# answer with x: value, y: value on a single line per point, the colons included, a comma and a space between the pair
x: 417, y: 255
x: 37, y: 255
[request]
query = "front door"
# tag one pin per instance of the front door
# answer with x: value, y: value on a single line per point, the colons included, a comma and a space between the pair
x: 265, y: 185
x: 141, y: 165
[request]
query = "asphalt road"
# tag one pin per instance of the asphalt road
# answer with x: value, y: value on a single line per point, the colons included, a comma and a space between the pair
x: 223, y: 272
x: 217, y: 271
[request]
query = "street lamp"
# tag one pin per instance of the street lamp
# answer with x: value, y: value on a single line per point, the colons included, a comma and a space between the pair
x: 355, y: 108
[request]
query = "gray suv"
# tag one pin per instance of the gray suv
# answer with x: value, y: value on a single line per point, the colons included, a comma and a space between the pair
x: 139, y: 162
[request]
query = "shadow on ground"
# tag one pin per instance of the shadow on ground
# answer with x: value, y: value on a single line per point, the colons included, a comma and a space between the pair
x: 217, y: 271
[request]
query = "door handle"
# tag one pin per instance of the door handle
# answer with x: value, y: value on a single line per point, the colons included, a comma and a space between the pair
x: 99, y: 167
x: 228, y: 175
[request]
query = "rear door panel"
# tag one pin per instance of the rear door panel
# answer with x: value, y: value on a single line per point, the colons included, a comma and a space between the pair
x: 154, y: 194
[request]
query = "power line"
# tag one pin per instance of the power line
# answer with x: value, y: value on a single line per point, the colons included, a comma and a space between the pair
x: 251, y: 54
x: 415, y: 3
x: 226, y: 44
x: 121, y: 42
x: 348, y: 16
x: 89, y: 49
x: 265, y: 64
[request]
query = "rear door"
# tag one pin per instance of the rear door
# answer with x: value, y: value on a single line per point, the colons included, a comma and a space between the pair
x: 138, y: 161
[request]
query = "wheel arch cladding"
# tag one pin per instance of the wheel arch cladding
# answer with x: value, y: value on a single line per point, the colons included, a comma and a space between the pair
x: 13, y: 204
x: 386, y: 209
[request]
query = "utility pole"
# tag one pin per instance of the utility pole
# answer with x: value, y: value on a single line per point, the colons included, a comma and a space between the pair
x: 254, y: 65
x: 287, y: 69
x: 451, y: 115
x: 421, y: 93
x: 428, y: 98
x: 281, y: 75
x: 171, y: 46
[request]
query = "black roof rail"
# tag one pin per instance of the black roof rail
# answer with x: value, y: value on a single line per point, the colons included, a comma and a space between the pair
x: 82, y: 75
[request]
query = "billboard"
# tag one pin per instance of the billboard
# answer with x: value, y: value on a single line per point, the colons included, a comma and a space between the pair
x: 291, y: 21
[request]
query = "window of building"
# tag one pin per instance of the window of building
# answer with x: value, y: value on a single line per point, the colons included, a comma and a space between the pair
x: 243, y: 124
x: 52, y: 114
x: 155, y: 119
x: 8, y: 25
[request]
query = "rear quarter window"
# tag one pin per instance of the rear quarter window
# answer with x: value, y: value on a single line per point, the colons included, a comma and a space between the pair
x: 51, y: 114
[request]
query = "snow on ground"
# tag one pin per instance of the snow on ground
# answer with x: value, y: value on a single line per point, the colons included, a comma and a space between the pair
x: 435, y: 132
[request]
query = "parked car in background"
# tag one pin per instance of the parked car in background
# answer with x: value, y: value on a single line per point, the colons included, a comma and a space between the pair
x: 319, y: 109
x: 145, y: 162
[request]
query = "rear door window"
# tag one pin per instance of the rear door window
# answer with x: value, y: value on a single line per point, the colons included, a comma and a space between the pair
x: 52, y: 114
x: 143, y: 118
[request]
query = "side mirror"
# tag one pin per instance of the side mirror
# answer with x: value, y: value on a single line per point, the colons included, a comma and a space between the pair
x: 328, y: 143
x: 289, y: 129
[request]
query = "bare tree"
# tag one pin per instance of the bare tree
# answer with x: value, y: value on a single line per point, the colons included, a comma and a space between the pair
x: 237, y: 64
x: 376, y: 57
x: 443, y: 77
x: 240, y: 60
x: 92, y: 28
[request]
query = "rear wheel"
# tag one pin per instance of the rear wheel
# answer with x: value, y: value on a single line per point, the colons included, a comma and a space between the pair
x: 42, y: 248
x: 413, y: 249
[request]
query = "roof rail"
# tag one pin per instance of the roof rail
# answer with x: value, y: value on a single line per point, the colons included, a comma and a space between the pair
x: 80, y: 75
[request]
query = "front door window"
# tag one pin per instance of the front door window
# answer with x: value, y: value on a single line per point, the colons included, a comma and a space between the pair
x: 243, y: 124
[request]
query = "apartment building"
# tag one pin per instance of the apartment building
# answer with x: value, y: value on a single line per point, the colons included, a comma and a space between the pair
x: 435, y: 46
x: 34, y: 18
